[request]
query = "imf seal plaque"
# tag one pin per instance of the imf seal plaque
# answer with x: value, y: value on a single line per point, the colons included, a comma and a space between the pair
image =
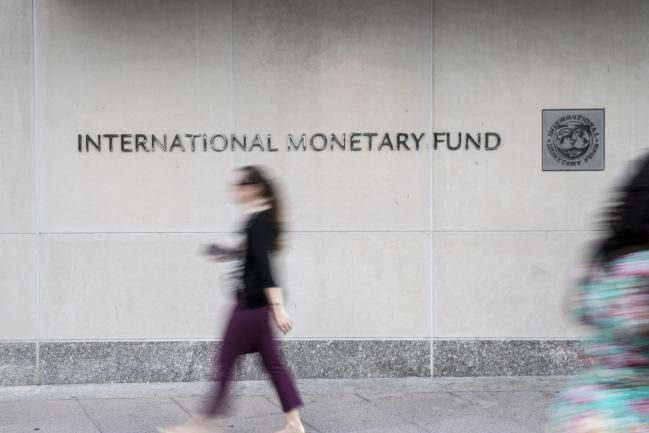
x: 573, y: 140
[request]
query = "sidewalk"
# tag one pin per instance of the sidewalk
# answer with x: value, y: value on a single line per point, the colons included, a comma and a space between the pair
x: 410, y: 405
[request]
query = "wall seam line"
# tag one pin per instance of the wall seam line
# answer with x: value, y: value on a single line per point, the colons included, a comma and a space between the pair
x: 237, y: 366
x: 197, y: 64
x: 431, y: 52
x: 443, y: 232
x: 36, y: 200
x: 233, y: 75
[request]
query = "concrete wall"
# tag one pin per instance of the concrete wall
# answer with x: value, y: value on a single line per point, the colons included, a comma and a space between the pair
x: 403, y: 263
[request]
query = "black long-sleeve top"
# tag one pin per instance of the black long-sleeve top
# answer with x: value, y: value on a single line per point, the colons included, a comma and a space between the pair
x: 257, y: 268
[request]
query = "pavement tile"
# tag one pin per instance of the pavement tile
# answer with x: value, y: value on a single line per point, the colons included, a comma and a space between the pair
x: 472, y: 423
x: 446, y: 413
x: 420, y: 406
x: 350, y: 418
x: 332, y: 400
x: 528, y: 408
x: 64, y: 424
x: 21, y: 411
x: 136, y: 415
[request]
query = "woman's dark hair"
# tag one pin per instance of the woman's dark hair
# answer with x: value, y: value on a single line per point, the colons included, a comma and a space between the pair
x: 254, y: 174
x: 626, y: 221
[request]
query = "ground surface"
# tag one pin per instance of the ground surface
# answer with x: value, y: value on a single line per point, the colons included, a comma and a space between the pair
x: 411, y: 405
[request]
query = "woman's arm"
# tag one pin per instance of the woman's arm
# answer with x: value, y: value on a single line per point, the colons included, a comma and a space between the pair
x: 259, y: 243
x: 276, y: 300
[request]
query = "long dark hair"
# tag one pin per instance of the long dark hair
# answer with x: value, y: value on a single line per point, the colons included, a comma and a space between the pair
x: 626, y: 221
x: 255, y: 174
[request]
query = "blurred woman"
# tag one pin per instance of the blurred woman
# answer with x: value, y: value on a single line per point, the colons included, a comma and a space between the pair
x: 257, y: 297
x: 611, y: 297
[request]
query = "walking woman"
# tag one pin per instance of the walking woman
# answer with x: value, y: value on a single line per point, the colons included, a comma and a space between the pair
x: 258, y: 301
x: 612, y: 298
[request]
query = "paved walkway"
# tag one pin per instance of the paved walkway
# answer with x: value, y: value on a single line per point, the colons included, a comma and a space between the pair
x: 411, y: 405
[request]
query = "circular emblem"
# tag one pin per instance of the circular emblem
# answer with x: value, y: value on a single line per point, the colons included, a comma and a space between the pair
x: 573, y: 139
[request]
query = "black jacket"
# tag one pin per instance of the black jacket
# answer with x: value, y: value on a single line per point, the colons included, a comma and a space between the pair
x: 257, y: 267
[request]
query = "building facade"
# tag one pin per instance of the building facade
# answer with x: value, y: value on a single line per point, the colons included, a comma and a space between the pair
x: 437, y: 257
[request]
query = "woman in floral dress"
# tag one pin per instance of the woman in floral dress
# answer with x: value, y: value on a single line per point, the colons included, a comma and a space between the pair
x: 611, y: 297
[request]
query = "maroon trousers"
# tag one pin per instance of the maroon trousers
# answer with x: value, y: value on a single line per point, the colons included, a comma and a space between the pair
x: 249, y: 331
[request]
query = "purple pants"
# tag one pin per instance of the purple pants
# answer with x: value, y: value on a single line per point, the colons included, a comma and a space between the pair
x: 249, y: 331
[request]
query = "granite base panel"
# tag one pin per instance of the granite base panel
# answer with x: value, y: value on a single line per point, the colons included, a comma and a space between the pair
x: 347, y: 359
x: 459, y: 358
x: 124, y: 361
x: 188, y: 361
x: 18, y: 364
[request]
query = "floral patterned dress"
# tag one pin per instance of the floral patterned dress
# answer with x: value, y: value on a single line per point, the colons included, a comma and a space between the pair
x: 611, y: 396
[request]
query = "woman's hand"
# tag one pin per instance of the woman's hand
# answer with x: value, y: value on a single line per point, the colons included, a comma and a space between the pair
x: 218, y: 253
x: 282, y: 319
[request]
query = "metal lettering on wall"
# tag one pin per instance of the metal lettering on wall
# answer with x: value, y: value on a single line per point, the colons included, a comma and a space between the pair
x: 318, y: 142
x: 573, y: 139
